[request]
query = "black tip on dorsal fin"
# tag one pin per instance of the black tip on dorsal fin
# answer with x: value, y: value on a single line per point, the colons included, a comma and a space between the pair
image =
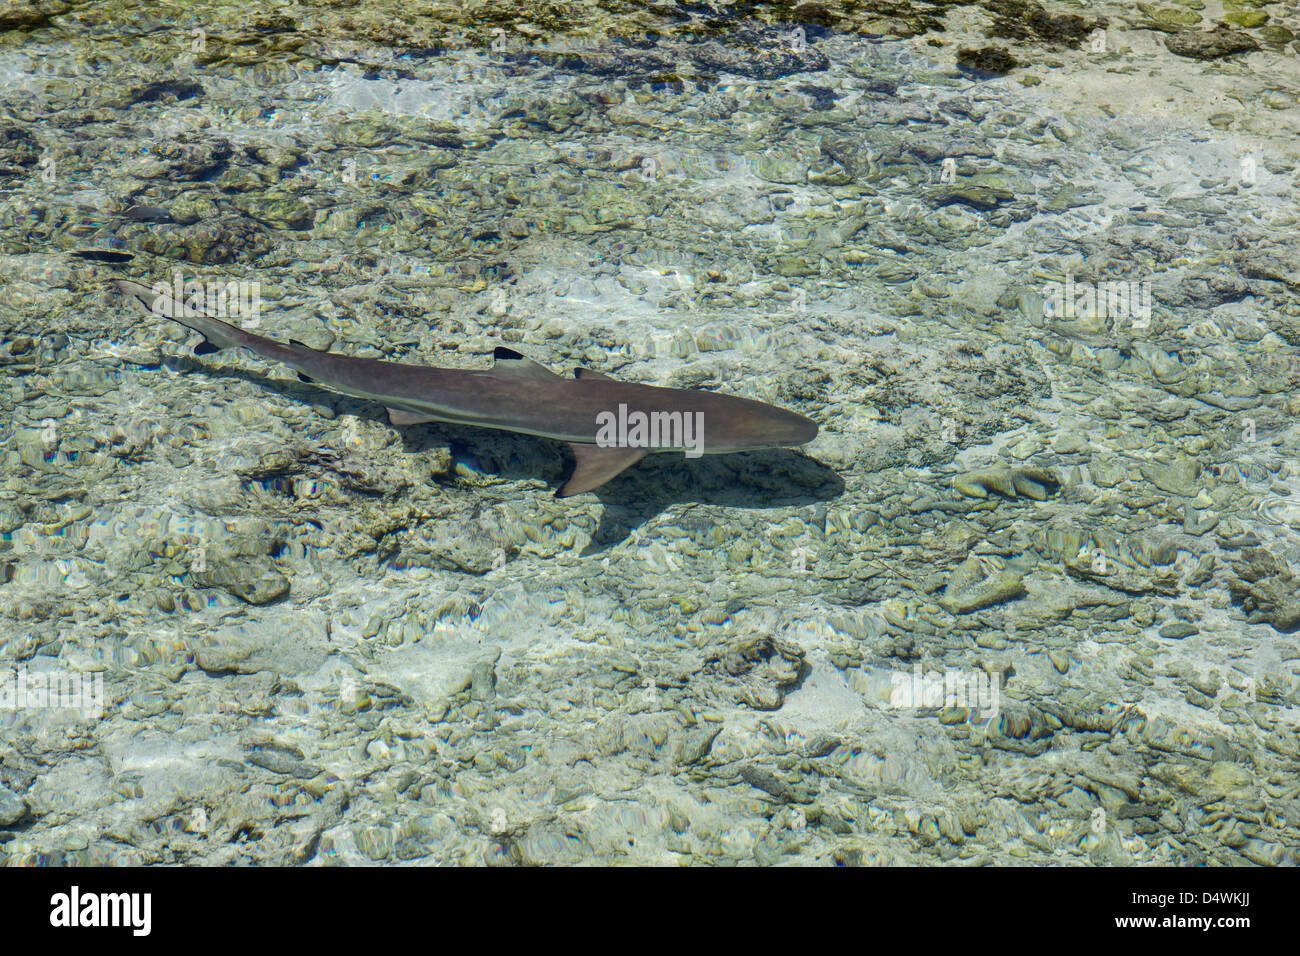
x: 301, y: 344
x: 305, y: 378
x: 206, y: 348
x: 581, y: 373
x: 509, y: 362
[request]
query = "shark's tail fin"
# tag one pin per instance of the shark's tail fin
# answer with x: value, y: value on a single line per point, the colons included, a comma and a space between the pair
x: 216, y: 334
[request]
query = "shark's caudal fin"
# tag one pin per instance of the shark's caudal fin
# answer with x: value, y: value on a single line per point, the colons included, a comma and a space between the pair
x: 596, y: 465
x: 216, y: 334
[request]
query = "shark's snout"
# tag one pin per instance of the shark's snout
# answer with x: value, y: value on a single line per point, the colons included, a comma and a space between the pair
x: 791, y: 429
x: 803, y: 431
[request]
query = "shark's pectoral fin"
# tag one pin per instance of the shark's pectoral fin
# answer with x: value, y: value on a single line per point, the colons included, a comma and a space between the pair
x: 596, y: 465
x: 400, y: 416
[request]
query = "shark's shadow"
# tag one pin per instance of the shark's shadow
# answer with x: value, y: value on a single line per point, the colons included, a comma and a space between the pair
x: 771, y: 478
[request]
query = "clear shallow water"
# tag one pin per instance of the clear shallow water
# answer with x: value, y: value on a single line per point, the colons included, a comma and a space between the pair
x: 718, y: 661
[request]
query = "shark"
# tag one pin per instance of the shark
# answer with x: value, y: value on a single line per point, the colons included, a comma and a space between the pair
x: 608, y: 424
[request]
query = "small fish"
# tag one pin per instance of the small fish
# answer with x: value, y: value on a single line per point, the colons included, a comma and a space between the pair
x: 147, y: 214
x: 609, y: 425
x: 103, y: 255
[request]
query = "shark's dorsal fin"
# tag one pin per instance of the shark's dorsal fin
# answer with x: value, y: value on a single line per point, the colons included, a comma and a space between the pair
x: 511, y: 362
x: 586, y: 373
x: 596, y: 465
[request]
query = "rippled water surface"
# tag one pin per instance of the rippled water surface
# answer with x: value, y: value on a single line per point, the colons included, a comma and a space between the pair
x: 1029, y: 596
